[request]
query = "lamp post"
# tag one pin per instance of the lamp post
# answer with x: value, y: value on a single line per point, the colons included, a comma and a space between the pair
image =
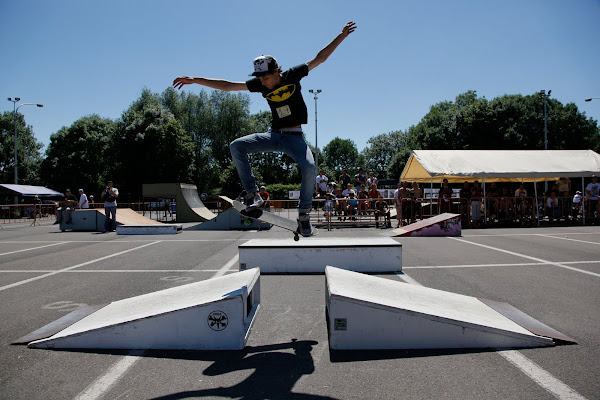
x: 545, y: 96
x: 592, y: 98
x: 15, y: 109
x: 316, y: 92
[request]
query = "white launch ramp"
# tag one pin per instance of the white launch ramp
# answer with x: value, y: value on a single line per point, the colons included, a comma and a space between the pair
x: 214, y: 314
x: 312, y: 255
x: 367, y: 312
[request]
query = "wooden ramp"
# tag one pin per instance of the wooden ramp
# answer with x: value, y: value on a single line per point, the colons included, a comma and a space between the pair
x: 445, y: 224
x: 126, y: 216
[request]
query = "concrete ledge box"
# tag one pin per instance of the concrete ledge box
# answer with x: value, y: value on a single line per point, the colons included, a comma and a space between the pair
x: 312, y: 255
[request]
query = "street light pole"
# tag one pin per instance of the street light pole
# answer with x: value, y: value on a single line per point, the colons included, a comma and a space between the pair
x: 592, y: 98
x: 315, y: 92
x: 545, y: 96
x: 15, y: 109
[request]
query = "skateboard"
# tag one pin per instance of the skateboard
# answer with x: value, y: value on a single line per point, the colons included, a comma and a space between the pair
x: 270, y: 218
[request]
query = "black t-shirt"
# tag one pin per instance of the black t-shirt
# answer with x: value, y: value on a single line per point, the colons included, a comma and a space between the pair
x: 285, y: 100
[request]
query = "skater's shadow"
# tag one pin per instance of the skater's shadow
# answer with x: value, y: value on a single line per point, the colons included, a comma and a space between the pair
x: 275, y: 373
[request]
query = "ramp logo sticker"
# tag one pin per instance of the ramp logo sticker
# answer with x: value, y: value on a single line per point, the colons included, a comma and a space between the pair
x: 217, y: 320
x: 282, y: 94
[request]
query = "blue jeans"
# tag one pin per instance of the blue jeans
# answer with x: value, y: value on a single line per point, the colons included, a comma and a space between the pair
x: 110, y: 224
x: 293, y: 145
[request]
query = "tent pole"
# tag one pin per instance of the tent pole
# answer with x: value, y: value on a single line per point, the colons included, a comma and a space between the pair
x: 536, y: 202
x: 583, y: 199
x: 431, y: 199
x: 484, y: 204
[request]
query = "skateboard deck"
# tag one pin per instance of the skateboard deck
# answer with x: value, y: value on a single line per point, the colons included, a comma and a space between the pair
x: 268, y: 217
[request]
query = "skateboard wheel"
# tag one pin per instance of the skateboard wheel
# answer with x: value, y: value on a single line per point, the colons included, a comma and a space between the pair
x: 247, y: 222
x: 296, y: 238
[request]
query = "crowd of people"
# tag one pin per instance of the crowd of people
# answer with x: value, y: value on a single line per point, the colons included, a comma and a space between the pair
x: 349, y: 197
x: 70, y: 202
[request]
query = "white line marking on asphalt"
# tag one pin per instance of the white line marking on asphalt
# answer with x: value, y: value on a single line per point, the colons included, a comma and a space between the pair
x: 104, y: 383
x: 561, y: 265
x: 32, y: 248
x: 532, y: 234
x: 525, y: 365
x: 540, y: 376
x: 566, y: 238
x: 117, y: 241
x: 12, y: 285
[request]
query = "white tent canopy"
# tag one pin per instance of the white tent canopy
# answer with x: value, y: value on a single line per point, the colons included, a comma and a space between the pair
x: 499, y: 165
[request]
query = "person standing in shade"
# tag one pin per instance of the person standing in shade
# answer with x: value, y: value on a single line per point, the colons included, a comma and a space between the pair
x: 83, y: 200
x: 110, y: 195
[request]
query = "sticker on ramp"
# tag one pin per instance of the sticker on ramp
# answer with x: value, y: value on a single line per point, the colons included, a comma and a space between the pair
x: 217, y: 320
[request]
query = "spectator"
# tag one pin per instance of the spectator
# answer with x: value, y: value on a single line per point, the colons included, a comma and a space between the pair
x: 329, y: 206
x: 505, y: 204
x: 363, y: 198
x: 340, y: 202
x: 321, y: 181
x: 360, y: 179
x: 564, y: 185
x: 374, y: 195
x: 465, y: 199
x: 265, y: 196
x: 492, y: 195
x: 69, y: 200
x: 592, y: 191
x: 398, y: 201
x: 110, y: 195
x: 521, y: 201
x: 66, y: 205
x: 577, y: 200
x: 83, y: 200
x: 552, y: 206
x: 371, y: 180
x: 416, y: 195
x: 445, y: 197
x: 476, y: 195
x: 32, y: 211
x: 348, y: 190
x: 345, y: 179
x: 352, y: 205
x: 91, y: 199
x: 382, y: 209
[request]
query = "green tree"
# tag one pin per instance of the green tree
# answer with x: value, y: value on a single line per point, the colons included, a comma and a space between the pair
x: 29, y: 151
x: 149, y: 146
x: 380, y: 151
x: 341, y: 154
x: 507, y: 122
x: 77, y: 155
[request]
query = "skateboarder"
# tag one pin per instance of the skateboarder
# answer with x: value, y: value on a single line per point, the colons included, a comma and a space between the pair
x: 283, y: 93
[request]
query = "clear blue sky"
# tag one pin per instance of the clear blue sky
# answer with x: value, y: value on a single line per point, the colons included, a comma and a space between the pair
x: 95, y: 57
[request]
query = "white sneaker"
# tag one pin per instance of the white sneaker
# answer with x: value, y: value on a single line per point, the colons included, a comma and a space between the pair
x: 253, y: 200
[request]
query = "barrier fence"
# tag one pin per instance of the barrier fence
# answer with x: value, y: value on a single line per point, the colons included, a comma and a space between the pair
x: 364, y: 212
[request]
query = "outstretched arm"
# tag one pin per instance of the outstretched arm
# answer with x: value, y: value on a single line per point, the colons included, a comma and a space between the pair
x: 220, y: 84
x: 327, y: 50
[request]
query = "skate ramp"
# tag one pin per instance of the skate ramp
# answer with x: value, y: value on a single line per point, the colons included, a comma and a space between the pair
x: 189, y: 206
x: 366, y: 312
x: 214, y: 314
x: 445, y: 224
x: 126, y: 216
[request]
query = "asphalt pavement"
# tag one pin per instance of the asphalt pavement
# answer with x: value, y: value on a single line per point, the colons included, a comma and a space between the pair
x: 550, y: 273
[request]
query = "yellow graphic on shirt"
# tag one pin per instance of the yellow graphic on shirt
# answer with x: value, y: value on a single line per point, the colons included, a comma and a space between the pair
x: 282, y: 94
